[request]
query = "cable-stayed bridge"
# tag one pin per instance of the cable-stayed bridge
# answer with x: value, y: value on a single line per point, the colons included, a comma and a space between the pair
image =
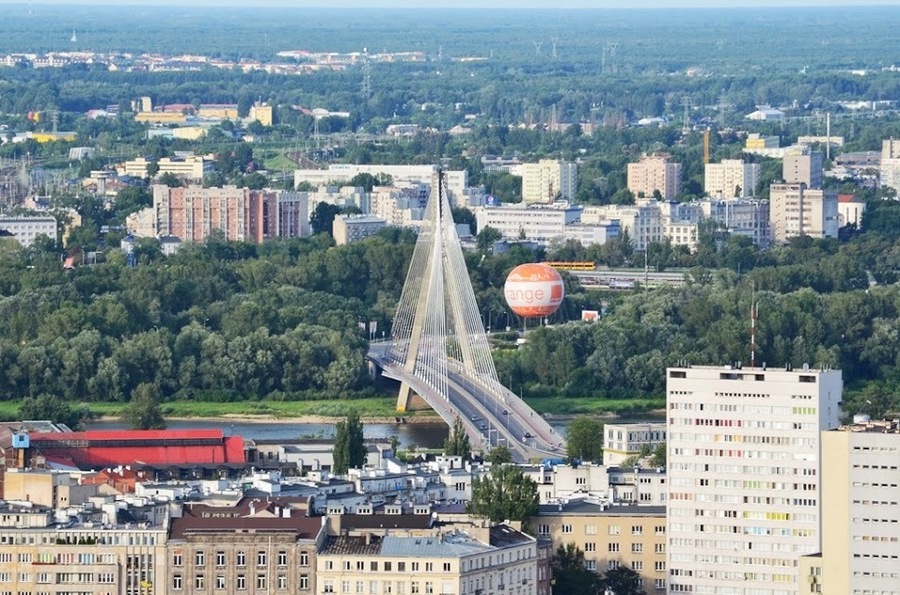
x: 439, y: 351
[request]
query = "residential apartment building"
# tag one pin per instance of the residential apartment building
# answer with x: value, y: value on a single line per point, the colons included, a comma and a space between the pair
x: 457, y: 181
x: 259, y: 547
x: 749, y: 218
x: 86, y: 558
x: 611, y: 536
x: 804, y: 167
x: 25, y: 229
x: 607, y: 484
x: 466, y: 560
x: 191, y: 168
x: 541, y: 223
x: 654, y: 173
x: 890, y: 164
x: 353, y: 228
x: 400, y: 207
x: 549, y: 180
x: 860, y: 512
x: 795, y: 210
x: 643, y: 223
x: 623, y: 441
x: 240, y: 214
x: 744, y: 470
x: 732, y: 178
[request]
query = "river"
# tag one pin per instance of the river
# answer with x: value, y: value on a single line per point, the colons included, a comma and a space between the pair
x: 426, y: 435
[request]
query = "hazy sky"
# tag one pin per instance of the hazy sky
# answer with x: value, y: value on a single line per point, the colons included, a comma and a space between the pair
x: 599, y: 4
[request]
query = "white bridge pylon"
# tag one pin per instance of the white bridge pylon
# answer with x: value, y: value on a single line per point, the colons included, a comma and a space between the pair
x: 438, y: 326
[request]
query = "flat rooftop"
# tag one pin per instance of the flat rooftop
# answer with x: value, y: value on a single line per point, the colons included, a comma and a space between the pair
x: 580, y: 507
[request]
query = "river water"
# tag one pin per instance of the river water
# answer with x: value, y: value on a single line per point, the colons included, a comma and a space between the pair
x: 426, y: 435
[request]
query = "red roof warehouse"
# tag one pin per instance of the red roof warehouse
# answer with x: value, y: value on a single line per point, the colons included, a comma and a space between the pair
x: 101, y: 448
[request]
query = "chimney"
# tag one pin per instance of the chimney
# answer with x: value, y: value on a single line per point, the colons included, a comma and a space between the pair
x: 368, y: 539
x: 252, y: 509
x: 286, y: 512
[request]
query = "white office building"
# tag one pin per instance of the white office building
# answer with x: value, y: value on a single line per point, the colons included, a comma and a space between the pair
x: 26, y: 229
x: 742, y: 217
x: 401, y: 175
x: 744, y: 470
x: 540, y: 223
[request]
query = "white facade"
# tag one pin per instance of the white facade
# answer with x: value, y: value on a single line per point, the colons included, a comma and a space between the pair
x: 643, y: 224
x: 353, y: 228
x: 344, y: 196
x: 544, y: 181
x: 590, y: 235
x: 402, y: 207
x: 748, y: 218
x: 795, y: 210
x: 744, y: 470
x: 622, y: 441
x: 539, y: 223
x: 402, y: 175
x: 850, y: 210
x: 25, y: 229
x: 731, y: 179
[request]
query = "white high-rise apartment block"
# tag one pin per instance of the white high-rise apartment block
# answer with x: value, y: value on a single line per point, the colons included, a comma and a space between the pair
x: 744, y: 469
x: 890, y: 164
x: 652, y: 173
x: 795, y: 210
x: 731, y: 179
x: 547, y: 180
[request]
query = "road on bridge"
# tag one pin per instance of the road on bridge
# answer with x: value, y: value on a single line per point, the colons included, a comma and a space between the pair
x: 489, y: 421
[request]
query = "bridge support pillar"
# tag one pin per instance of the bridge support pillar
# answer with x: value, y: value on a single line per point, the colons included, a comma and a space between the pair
x: 409, y: 400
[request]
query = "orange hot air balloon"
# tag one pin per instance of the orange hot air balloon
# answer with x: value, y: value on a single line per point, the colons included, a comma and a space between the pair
x: 534, y: 290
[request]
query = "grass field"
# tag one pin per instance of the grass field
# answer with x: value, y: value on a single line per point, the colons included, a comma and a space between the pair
x: 369, y: 407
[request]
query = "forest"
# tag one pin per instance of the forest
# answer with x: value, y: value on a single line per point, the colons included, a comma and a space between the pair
x: 224, y: 321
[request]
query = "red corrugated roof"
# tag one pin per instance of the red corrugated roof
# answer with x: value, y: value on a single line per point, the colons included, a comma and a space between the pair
x: 133, y: 435
x: 846, y: 198
x: 150, y: 447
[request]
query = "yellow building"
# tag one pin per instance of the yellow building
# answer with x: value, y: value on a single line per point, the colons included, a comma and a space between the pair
x: 262, y: 114
x: 860, y: 541
x: 160, y: 117
x: 227, y: 111
x: 611, y: 536
x: 757, y: 141
x: 189, y: 132
x: 49, y: 137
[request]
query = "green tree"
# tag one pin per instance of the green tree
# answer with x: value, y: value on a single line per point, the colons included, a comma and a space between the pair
x: 170, y: 180
x: 584, y: 439
x: 486, y: 238
x: 322, y: 220
x: 349, y: 449
x: 570, y: 576
x: 457, y: 443
x: 499, y: 455
x: 622, y: 581
x: 55, y: 409
x: 658, y: 458
x: 506, y: 494
x: 143, y: 412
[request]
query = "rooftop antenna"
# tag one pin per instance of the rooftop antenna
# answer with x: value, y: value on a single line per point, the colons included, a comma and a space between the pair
x: 537, y: 47
x: 553, y: 42
x: 754, y: 312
